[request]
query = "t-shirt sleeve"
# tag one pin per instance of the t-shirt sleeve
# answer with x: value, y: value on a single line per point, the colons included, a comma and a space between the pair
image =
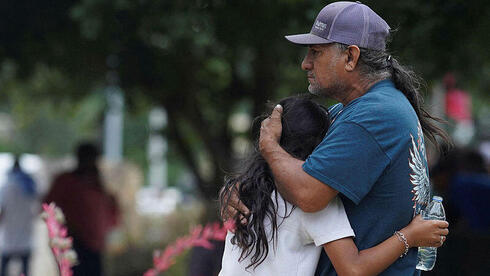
x: 326, y: 225
x: 349, y: 160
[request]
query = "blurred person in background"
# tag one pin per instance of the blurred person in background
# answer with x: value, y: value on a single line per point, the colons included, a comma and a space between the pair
x: 459, y: 111
x: 462, y: 178
x: 458, y: 174
x: 19, y: 207
x: 90, y: 211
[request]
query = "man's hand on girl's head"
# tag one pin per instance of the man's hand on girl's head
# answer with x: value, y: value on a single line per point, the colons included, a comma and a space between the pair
x: 270, y: 131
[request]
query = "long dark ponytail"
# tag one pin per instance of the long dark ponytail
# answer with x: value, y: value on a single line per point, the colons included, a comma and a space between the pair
x: 305, y: 123
x: 377, y: 65
x: 409, y: 83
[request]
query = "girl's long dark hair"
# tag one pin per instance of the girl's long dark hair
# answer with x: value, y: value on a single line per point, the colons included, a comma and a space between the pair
x: 304, y: 125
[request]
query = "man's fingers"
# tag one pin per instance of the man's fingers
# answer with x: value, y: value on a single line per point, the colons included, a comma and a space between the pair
x: 270, y: 129
x: 243, y: 219
x: 264, y: 123
x: 232, y: 209
x: 238, y: 205
x: 235, y: 206
x: 228, y: 213
x: 276, y: 113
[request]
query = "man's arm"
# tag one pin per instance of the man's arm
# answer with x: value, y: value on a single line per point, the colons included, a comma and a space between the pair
x: 292, y: 182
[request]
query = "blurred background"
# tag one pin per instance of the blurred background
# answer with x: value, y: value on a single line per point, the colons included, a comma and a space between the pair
x: 168, y: 90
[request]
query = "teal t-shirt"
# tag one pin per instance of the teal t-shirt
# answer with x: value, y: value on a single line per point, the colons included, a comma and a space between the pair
x: 374, y: 155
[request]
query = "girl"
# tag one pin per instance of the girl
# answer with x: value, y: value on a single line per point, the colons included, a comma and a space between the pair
x: 279, y: 239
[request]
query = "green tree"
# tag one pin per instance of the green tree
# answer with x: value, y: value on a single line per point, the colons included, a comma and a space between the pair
x: 204, y: 59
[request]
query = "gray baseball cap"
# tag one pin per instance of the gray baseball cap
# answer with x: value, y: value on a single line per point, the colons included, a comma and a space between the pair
x: 351, y: 23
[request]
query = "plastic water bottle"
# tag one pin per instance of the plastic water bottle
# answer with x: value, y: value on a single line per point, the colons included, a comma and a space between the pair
x: 427, y: 255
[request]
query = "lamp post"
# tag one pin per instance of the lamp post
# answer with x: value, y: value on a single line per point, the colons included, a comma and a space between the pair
x: 157, y: 149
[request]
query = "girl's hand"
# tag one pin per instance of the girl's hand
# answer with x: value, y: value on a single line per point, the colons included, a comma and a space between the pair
x: 427, y: 233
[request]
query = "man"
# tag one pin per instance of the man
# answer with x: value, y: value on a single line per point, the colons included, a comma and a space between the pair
x: 90, y: 211
x: 373, y: 155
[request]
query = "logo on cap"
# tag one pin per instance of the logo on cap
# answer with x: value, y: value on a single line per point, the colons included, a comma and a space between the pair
x: 320, y: 25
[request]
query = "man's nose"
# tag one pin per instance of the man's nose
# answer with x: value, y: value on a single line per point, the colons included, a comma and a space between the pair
x: 306, y: 64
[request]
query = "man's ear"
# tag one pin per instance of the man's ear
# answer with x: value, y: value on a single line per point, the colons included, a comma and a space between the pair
x: 353, y: 52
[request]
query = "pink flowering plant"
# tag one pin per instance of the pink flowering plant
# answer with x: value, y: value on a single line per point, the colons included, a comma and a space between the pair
x: 59, y: 242
x: 199, y: 236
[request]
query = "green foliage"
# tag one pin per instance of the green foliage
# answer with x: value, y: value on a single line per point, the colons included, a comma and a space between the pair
x: 202, y: 59
x: 440, y: 36
x: 44, y: 123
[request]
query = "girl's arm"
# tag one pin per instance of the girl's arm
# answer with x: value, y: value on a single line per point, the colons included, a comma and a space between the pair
x: 348, y: 260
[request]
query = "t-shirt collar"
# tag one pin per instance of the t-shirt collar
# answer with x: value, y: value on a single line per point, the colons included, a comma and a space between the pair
x: 379, y: 84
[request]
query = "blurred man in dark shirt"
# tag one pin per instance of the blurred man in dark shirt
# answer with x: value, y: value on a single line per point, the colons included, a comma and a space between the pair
x: 89, y: 210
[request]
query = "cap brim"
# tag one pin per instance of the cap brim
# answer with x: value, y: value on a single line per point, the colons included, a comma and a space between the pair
x: 307, y: 39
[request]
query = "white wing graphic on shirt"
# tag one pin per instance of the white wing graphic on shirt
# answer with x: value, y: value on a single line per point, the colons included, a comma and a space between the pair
x: 419, y: 176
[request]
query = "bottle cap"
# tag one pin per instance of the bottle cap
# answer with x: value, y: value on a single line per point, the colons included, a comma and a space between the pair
x: 437, y: 198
